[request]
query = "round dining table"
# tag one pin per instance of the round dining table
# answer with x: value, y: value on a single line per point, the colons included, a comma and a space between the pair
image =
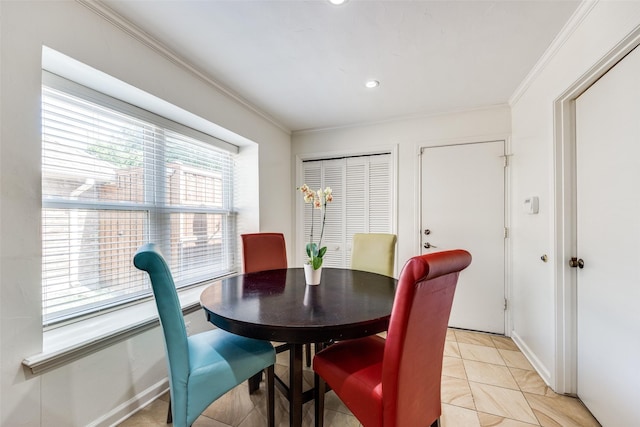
x: 277, y: 305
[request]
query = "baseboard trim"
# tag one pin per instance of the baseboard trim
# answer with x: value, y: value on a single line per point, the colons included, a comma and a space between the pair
x: 133, y: 405
x: 532, y: 358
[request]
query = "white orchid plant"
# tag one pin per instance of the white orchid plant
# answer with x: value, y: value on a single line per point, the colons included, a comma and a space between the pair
x: 320, y: 198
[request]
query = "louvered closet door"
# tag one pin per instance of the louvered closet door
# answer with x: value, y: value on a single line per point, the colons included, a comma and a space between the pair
x: 313, y: 178
x: 334, y: 177
x: 369, y: 198
x: 319, y: 175
x: 363, y: 200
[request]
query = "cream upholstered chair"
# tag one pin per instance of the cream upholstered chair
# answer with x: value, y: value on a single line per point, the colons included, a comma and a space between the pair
x: 374, y: 252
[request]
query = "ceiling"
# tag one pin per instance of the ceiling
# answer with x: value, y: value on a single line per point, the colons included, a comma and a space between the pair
x: 304, y: 63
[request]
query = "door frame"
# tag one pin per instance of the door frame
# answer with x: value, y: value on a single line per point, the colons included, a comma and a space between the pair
x: 565, y: 230
x: 420, y: 147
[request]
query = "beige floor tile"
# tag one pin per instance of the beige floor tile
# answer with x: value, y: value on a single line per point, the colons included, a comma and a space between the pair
x: 515, y: 359
x: 489, y: 376
x: 151, y: 415
x: 333, y: 403
x: 529, y: 381
x: 554, y: 410
x: 307, y: 414
x: 254, y: 419
x: 281, y: 405
x: 477, y: 338
x: 504, y: 343
x: 488, y: 373
x: 338, y: 419
x: 232, y: 407
x: 480, y: 353
x: 454, y: 416
x: 457, y: 392
x: 489, y: 420
x: 282, y: 358
x: 203, y: 421
x: 502, y: 401
x: 282, y: 371
x: 451, y: 349
x: 453, y: 367
x: 307, y: 379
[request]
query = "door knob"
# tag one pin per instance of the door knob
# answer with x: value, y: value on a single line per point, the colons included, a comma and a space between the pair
x: 428, y: 246
x: 575, y: 262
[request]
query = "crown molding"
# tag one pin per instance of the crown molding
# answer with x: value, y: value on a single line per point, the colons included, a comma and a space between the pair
x: 152, y: 43
x: 397, y: 119
x: 569, y: 28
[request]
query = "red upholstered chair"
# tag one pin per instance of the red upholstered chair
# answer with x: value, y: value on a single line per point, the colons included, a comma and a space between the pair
x: 396, y: 382
x: 266, y: 251
x: 263, y: 251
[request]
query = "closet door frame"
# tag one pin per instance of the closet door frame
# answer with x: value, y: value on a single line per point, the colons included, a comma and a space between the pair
x: 299, y: 205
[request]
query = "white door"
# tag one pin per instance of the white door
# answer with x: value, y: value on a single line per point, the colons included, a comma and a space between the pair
x: 608, y: 242
x: 463, y: 203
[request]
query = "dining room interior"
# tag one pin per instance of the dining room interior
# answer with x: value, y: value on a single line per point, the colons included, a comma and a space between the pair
x: 503, y: 128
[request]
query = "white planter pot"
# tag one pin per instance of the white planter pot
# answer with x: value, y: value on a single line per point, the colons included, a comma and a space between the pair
x: 311, y: 276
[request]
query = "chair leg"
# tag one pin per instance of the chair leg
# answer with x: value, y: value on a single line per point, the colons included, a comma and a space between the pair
x: 436, y: 423
x: 254, y: 382
x: 169, y: 414
x: 270, y: 396
x: 320, y: 389
x: 307, y: 348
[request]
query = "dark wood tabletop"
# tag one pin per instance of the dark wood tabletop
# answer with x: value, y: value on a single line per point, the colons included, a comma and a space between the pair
x: 277, y: 305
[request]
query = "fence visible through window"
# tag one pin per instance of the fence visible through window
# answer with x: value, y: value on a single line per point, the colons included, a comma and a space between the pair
x: 111, y: 182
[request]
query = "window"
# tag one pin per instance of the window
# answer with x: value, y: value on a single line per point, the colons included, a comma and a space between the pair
x: 362, y: 201
x: 114, y: 177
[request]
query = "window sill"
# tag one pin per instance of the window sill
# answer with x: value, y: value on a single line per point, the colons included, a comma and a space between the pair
x: 76, y: 340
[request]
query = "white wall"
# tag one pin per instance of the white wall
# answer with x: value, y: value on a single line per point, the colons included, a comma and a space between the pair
x: 83, y: 391
x: 534, y: 289
x: 530, y: 122
x: 407, y: 136
x: 100, y: 382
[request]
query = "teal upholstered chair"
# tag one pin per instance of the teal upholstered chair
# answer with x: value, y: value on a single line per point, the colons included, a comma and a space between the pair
x: 204, y: 366
x: 374, y: 252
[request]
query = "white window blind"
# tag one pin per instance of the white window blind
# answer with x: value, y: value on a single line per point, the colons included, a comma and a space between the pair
x: 362, y: 201
x: 115, y: 177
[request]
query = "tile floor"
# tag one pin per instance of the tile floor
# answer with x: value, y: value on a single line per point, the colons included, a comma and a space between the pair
x: 486, y: 381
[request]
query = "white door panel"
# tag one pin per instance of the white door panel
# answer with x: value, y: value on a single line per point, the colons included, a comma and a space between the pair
x: 463, y: 207
x: 608, y: 240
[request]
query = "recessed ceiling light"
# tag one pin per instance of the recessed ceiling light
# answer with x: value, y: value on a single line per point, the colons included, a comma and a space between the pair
x: 337, y: 2
x: 372, y: 84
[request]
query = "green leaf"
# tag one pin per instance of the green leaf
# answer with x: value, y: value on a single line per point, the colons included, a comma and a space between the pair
x: 317, y: 263
x: 312, y: 250
x: 322, y: 251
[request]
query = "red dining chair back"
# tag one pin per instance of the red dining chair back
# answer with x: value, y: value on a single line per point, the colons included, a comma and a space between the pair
x: 267, y: 251
x: 263, y: 251
x: 396, y: 382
